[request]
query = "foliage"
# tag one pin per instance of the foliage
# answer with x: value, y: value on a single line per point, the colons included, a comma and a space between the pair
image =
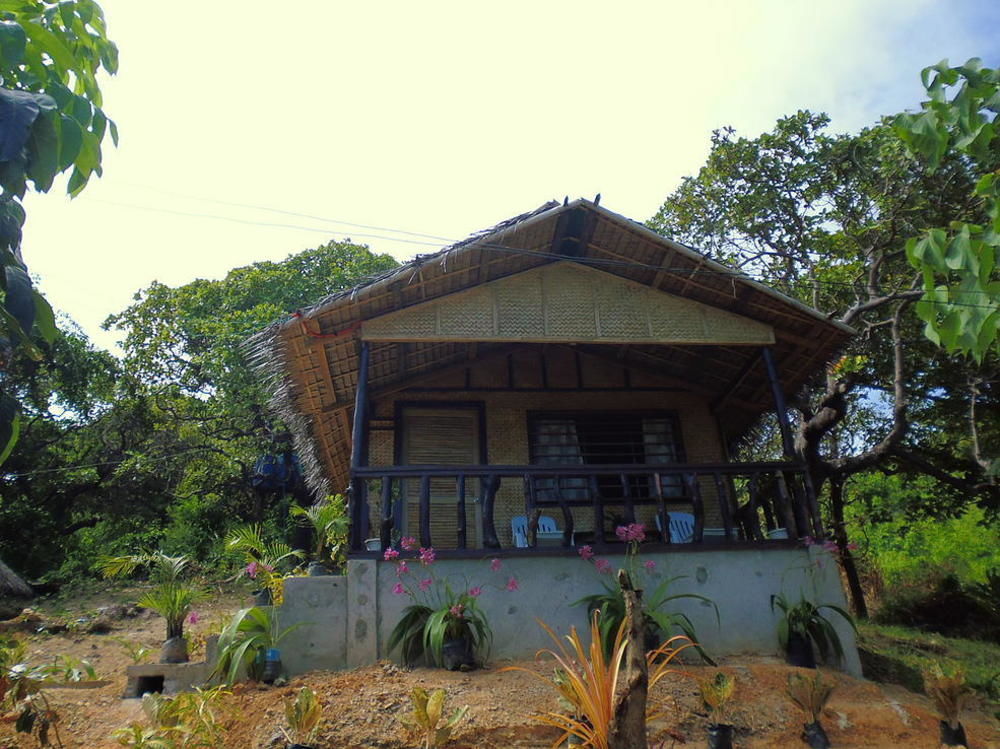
x: 266, y: 561
x: 52, y: 122
x: 303, y: 715
x: 440, y: 610
x: 588, y: 679
x: 900, y: 655
x: 961, y: 301
x: 328, y: 521
x: 611, y: 602
x: 245, y: 638
x: 948, y: 691
x: 22, y: 689
x: 807, y: 620
x: 188, y: 721
x: 716, y: 693
x: 171, y: 597
x: 940, y: 602
x: 809, y: 693
x: 428, y: 720
x: 136, y: 651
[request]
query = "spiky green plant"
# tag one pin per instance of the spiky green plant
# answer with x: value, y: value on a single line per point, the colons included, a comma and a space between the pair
x: 249, y: 540
x: 248, y: 633
x: 807, y: 619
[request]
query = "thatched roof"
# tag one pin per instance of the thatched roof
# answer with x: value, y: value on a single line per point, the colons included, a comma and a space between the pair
x: 310, y: 361
x: 12, y: 586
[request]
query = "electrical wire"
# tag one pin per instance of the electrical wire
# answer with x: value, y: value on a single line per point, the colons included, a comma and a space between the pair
x: 605, y: 262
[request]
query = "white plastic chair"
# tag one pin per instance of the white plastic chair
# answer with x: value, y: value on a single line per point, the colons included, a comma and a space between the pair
x: 681, y: 527
x: 519, y: 529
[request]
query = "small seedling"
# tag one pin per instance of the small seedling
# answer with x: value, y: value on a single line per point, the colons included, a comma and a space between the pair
x: 303, y: 715
x: 137, y: 652
x: 950, y: 692
x: 810, y: 694
x: 427, y: 719
x: 716, y: 693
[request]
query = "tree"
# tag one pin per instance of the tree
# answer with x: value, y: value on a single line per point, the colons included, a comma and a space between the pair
x: 961, y: 300
x: 824, y: 218
x: 51, y: 121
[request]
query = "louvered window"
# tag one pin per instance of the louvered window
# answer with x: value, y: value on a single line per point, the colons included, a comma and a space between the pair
x: 605, y: 438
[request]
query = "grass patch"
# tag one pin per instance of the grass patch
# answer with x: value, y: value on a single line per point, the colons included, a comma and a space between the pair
x: 899, y: 655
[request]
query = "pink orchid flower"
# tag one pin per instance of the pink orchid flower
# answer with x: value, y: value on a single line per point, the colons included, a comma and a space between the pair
x: 390, y: 554
x: 512, y: 584
x: 586, y: 552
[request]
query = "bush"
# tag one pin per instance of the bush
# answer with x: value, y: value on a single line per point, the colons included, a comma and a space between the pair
x: 942, y: 604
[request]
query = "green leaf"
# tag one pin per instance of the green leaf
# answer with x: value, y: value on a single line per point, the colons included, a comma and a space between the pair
x: 12, y: 43
x: 43, y: 152
x: 10, y: 426
x: 50, y: 44
x: 45, y: 320
x: 70, y: 141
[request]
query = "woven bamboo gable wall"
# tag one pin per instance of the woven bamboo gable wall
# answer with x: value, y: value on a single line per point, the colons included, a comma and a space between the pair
x: 311, y: 362
x: 567, y: 302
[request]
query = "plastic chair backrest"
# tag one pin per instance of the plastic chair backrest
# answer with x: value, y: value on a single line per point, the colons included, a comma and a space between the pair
x: 519, y: 531
x: 681, y: 527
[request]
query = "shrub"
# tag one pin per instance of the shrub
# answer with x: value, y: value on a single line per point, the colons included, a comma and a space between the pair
x: 941, y: 603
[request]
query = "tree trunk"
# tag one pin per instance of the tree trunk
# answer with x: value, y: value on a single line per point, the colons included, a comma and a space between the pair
x: 628, y: 726
x: 858, y: 604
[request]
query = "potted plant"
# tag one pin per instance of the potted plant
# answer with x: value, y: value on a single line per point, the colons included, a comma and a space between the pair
x: 328, y: 521
x: 803, y: 625
x: 810, y: 694
x: 264, y: 561
x: 171, y: 597
x: 658, y: 623
x: 245, y: 641
x: 716, y: 693
x: 303, y: 715
x: 949, y: 692
x: 442, y: 623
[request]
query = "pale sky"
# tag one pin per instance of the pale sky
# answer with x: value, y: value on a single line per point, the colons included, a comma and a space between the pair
x: 442, y: 118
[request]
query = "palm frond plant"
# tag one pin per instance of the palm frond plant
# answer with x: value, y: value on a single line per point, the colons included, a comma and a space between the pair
x: 949, y: 692
x: 810, y: 694
x: 805, y: 622
x: 244, y: 640
x: 171, y: 597
x: 328, y: 521
x: 266, y: 561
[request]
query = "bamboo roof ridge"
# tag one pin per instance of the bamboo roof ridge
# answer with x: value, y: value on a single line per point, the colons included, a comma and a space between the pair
x: 310, y: 361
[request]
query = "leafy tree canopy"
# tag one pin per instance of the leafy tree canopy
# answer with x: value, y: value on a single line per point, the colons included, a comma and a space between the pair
x: 51, y: 121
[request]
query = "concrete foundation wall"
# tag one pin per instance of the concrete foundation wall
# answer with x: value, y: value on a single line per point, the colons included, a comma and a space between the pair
x: 348, y: 619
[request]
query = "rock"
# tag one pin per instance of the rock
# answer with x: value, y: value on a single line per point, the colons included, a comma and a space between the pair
x: 100, y: 625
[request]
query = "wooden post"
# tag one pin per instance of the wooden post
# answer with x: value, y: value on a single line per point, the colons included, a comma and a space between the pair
x: 490, y: 485
x: 425, y: 511
x: 385, y: 529
x: 460, y: 527
x: 359, y: 454
x: 697, y: 506
x: 628, y: 722
x: 787, y: 443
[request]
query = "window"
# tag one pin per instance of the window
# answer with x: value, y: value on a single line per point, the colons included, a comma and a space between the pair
x: 605, y: 438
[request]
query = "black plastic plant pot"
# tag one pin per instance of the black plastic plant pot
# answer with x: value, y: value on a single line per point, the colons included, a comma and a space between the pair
x: 317, y: 569
x: 299, y: 746
x: 457, y: 655
x: 814, y: 735
x: 952, y: 736
x: 800, y: 651
x: 720, y: 736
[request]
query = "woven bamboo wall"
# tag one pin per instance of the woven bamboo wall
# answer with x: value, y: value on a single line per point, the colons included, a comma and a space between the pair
x: 567, y: 302
x: 506, y: 416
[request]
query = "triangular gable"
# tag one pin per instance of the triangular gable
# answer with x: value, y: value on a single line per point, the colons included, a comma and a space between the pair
x: 567, y: 302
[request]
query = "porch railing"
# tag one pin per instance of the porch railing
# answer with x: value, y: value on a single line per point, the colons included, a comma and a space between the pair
x: 753, y: 498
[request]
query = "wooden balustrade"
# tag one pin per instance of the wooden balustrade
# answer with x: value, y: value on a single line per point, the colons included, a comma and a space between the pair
x: 753, y: 499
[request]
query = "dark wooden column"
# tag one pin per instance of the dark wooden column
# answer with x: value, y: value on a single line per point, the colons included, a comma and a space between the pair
x: 359, y: 454
x: 788, y: 444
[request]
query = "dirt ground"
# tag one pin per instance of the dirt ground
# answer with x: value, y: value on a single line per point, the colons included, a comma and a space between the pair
x: 362, y: 707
